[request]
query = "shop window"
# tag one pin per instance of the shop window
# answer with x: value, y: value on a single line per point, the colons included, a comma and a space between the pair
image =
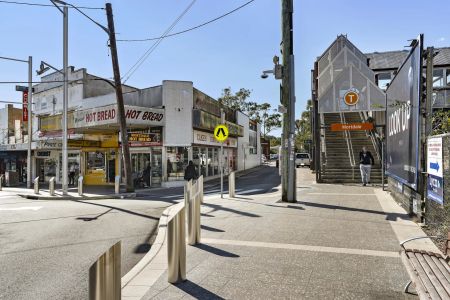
x: 438, y: 77
x: 177, y: 160
x: 384, y: 79
x: 448, y: 76
x: 95, y: 160
x: 253, y: 142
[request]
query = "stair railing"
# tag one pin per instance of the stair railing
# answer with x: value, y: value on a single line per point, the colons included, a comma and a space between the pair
x: 364, y: 117
x: 351, y: 154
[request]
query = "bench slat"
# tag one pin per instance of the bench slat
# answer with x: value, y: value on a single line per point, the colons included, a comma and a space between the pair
x: 441, y: 263
x: 434, y: 264
x: 432, y: 276
x: 413, y: 275
x: 423, y: 276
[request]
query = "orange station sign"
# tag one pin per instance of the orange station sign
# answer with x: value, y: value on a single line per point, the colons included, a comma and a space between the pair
x: 351, y: 97
x: 351, y: 126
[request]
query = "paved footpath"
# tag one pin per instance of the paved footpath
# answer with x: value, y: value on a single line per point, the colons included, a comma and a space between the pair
x: 337, y: 242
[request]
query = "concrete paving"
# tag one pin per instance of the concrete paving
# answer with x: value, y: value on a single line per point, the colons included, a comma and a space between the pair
x: 336, y: 242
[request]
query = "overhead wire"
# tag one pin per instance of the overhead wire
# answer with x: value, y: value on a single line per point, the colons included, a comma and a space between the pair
x: 152, y: 48
x: 189, y: 29
x: 44, y: 5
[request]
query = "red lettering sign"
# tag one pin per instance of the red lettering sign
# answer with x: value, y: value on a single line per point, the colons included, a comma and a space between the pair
x: 25, y: 106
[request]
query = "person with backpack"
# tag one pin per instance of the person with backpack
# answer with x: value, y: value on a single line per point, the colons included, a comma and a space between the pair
x: 365, y: 165
x: 190, y: 172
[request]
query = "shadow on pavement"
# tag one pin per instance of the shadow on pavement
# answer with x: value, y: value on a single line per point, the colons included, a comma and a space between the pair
x: 220, y: 207
x: 215, y: 250
x: 211, y: 228
x: 118, y: 209
x: 87, y: 219
x: 196, y: 291
x: 389, y: 216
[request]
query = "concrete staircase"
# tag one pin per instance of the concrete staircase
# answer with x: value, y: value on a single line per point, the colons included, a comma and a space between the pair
x: 336, y: 161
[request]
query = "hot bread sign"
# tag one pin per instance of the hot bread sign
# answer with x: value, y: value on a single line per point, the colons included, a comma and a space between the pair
x: 107, y: 115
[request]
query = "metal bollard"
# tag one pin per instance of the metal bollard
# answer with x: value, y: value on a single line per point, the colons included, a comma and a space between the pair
x: 117, y: 184
x: 176, y: 247
x: 231, y: 185
x: 105, y: 275
x: 192, y: 203
x: 36, y: 185
x: 200, y: 180
x: 51, y: 186
x: 1, y: 182
x: 80, y: 185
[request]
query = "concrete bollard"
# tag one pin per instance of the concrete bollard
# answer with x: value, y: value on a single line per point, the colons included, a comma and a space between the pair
x: 80, y: 186
x: 1, y: 182
x: 51, y: 186
x: 36, y: 185
x: 176, y: 247
x: 117, y: 184
x: 232, y: 184
x: 105, y: 277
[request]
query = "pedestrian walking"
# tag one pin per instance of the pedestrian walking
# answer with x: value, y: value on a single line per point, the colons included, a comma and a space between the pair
x: 72, y: 174
x: 365, y: 165
x: 190, y: 172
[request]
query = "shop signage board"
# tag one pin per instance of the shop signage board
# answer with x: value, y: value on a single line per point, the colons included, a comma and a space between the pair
x: 70, y: 143
x: 206, y: 138
x: 351, y: 126
x: 107, y: 115
x: 25, y: 106
x: 435, y: 185
x: 136, y: 139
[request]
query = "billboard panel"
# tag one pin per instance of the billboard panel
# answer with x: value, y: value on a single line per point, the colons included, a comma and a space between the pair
x: 403, y: 103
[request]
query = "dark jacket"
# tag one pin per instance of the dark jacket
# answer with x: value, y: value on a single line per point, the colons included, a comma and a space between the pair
x: 190, y: 173
x: 366, y: 159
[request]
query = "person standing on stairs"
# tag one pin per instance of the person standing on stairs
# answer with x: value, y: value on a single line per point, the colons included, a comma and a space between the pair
x: 365, y: 165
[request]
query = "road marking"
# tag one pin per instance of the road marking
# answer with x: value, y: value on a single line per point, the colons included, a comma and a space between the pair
x: 35, y: 208
x: 341, y: 194
x: 302, y: 247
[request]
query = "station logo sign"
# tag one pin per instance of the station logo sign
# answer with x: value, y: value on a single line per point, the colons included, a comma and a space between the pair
x: 351, y: 97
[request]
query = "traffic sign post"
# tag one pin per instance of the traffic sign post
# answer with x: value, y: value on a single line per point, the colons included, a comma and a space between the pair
x: 221, y: 135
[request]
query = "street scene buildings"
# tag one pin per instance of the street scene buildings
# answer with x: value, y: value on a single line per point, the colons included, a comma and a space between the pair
x: 195, y: 171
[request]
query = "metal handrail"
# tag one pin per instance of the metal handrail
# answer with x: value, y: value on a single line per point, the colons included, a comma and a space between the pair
x: 371, y: 134
x: 348, y: 137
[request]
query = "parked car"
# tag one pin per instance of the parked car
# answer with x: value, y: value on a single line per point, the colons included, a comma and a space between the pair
x: 302, y: 159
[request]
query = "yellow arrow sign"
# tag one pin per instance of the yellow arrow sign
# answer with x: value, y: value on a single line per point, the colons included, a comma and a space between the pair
x: 221, y: 133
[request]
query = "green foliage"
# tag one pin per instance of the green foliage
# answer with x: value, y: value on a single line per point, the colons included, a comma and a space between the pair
x: 261, y: 113
x: 303, y: 129
x: 440, y: 121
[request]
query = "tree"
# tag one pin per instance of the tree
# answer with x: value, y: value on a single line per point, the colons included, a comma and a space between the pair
x: 236, y: 101
x: 440, y: 121
x: 303, y: 129
x: 261, y: 113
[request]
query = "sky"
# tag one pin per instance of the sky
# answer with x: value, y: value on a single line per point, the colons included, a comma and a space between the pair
x: 231, y: 52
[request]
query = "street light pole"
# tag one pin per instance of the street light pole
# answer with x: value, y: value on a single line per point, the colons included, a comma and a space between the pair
x: 29, y: 106
x: 65, y: 99
x: 30, y: 120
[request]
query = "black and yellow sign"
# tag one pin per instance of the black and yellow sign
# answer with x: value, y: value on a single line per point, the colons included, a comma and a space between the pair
x: 221, y: 133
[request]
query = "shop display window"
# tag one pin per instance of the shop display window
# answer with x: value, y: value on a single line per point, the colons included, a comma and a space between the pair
x: 177, y: 160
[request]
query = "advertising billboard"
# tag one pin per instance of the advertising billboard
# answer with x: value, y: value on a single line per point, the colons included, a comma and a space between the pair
x: 402, y: 112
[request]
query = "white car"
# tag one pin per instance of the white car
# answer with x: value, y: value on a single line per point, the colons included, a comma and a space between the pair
x: 302, y: 159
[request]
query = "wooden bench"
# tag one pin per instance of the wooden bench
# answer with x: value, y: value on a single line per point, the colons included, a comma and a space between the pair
x: 429, y: 272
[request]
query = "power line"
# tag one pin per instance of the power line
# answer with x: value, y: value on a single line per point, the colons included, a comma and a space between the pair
x: 189, y: 29
x: 152, y: 48
x: 44, y: 5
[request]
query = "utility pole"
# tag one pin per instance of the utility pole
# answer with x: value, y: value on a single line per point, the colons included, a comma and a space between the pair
x: 288, y: 101
x: 120, y: 104
x: 30, y: 120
